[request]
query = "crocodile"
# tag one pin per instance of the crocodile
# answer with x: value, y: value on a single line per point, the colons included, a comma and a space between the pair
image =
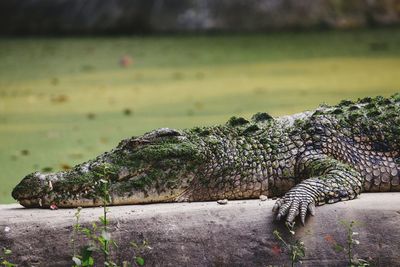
x: 326, y: 155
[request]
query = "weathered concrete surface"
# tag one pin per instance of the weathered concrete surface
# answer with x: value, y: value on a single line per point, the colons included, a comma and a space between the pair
x: 143, y: 16
x: 209, y: 234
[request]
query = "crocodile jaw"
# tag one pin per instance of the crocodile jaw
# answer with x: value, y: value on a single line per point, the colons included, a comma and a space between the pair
x: 44, y: 202
x: 38, y: 190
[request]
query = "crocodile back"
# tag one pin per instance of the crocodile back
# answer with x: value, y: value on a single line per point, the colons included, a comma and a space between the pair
x: 372, y: 121
x: 365, y: 134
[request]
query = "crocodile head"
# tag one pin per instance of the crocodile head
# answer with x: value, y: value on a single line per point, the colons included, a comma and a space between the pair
x: 156, y: 167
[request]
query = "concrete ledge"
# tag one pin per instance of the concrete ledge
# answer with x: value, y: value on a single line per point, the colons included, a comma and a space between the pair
x: 208, y: 234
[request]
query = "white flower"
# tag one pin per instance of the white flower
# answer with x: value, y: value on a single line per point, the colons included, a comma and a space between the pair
x: 77, y: 261
x: 7, y: 229
x: 106, y: 235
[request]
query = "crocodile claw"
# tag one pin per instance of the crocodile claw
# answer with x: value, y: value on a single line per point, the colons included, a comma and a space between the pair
x: 293, y: 205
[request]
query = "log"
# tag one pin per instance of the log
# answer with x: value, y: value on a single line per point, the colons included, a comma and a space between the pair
x: 239, y: 233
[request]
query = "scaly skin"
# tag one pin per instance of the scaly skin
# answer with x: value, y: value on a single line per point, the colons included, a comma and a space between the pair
x: 331, y: 154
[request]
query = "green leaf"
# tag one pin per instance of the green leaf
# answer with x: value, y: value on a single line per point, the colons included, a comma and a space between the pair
x: 7, y: 251
x: 8, y: 264
x: 338, y: 248
x: 87, y: 255
x: 139, y: 261
x: 86, y: 231
x: 103, y: 220
x: 134, y: 244
x: 101, y: 240
x: 114, y: 243
x: 89, y: 262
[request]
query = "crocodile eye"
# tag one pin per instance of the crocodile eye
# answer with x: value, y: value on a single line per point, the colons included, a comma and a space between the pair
x: 164, y: 132
x: 154, y: 137
x: 162, y: 135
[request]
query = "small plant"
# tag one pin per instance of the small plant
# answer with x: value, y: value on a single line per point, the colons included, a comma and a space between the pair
x: 75, y: 231
x: 97, y: 241
x: 348, y: 248
x: 139, y: 250
x: 99, y: 237
x: 85, y: 257
x: 4, y: 254
x: 105, y: 238
x: 295, y: 248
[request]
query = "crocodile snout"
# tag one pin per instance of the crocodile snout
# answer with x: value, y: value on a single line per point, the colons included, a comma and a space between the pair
x: 31, y: 187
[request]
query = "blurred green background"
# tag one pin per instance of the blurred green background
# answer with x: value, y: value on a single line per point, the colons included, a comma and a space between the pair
x: 65, y: 100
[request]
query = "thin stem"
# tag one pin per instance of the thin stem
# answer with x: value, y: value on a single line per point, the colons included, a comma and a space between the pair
x: 350, y: 242
x: 105, y: 196
x: 76, y: 229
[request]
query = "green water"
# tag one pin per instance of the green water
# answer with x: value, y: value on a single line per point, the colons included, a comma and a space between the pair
x: 63, y: 101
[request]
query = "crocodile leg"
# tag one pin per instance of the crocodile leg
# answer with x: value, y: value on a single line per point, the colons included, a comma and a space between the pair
x: 327, y: 180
